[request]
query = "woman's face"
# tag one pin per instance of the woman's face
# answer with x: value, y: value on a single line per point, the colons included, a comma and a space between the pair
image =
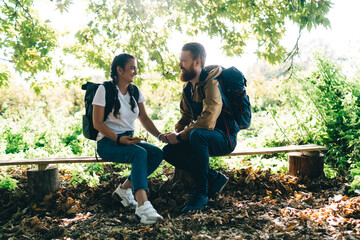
x: 128, y: 74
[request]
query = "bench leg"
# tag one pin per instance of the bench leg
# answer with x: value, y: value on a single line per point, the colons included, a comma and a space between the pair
x: 43, y: 182
x: 309, y: 165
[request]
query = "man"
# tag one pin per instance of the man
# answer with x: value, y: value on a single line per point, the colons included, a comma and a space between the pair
x: 206, y: 126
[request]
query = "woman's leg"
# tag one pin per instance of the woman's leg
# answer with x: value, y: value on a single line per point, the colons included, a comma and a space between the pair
x: 134, y: 154
x: 154, y: 156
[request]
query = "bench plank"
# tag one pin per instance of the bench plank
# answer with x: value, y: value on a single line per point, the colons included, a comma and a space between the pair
x: 50, y: 161
x: 292, y: 148
x: 46, y: 161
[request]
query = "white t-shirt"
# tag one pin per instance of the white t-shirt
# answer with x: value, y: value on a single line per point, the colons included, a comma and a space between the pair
x: 125, y: 121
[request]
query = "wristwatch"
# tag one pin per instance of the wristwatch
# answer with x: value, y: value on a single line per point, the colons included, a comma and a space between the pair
x: 178, y: 137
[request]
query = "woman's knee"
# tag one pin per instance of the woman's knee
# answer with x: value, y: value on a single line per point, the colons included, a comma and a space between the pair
x: 140, y: 154
x: 158, y: 153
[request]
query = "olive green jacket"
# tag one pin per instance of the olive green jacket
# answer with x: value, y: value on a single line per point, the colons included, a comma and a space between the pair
x: 207, y: 92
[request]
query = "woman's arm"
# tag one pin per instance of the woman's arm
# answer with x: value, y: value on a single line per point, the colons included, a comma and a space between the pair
x: 98, y: 121
x: 149, y: 124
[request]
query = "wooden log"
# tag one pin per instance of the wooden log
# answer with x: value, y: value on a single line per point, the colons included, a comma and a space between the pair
x: 306, y: 164
x: 43, y: 182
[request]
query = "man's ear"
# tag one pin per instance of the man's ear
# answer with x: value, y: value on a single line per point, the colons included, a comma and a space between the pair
x: 198, y: 62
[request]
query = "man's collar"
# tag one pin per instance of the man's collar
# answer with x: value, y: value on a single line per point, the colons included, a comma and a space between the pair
x: 203, y: 75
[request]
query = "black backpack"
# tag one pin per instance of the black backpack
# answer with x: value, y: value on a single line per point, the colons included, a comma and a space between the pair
x: 88, y: 127
x: 233, y: 84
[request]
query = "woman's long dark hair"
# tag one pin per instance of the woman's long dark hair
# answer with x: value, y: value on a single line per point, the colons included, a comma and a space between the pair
x: 121, y: 60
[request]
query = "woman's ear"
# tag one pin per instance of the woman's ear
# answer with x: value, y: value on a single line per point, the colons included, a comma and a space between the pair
x: 119, y: 70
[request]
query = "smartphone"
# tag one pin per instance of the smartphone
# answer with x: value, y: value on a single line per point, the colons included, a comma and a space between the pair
x: 137, y: 138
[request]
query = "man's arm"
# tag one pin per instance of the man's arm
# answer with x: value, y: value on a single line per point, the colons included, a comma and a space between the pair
x: 185, y: 115
x: 212, y: 105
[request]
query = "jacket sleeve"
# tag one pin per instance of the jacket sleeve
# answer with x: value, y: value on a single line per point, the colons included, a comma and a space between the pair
x: 186, y: 115
x: 212, y: 105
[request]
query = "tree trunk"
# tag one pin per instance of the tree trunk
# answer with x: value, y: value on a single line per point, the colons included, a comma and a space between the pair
x: 43, y: 182
x: 306, y: 164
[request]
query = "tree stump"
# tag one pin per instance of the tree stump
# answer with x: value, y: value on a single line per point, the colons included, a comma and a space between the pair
x: 306, y: 164
x: 43, y: 182
x: 184, y: 177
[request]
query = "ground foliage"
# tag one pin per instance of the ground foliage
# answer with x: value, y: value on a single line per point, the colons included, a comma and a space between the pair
x: 256, y: 204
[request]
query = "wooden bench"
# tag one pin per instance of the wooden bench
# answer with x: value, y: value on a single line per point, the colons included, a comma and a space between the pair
x: 303, y: 160
x: 42, y: 163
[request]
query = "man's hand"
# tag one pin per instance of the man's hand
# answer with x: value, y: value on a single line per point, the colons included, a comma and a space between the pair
x: 171, y: 137
x: 163, y: 138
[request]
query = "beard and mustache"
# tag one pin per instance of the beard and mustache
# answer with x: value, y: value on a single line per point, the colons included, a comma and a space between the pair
x: 187, y: 75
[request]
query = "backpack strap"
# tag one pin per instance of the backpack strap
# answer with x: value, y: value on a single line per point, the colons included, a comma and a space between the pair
x: 109, y: 98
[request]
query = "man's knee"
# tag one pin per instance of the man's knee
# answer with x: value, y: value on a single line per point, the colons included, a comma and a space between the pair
x: 170, y: 154
x: 166, y: 150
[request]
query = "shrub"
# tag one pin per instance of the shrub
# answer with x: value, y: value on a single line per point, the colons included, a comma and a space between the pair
x: 7, y: 182
x: 323, y: 108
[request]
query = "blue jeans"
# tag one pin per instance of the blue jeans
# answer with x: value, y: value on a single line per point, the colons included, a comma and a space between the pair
x: 144, y: 158
x: 193, y: 155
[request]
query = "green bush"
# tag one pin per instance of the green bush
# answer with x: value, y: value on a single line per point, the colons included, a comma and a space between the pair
x: 7, y: 182
x: 324, y: 109
x: 89, y: 175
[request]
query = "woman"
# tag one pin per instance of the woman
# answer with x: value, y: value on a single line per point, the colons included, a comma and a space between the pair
x: 115, y: 143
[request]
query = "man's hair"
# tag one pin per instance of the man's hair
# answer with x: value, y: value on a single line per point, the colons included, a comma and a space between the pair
x: 197, y: 50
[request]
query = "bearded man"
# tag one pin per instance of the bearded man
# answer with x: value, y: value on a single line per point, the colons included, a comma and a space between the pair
x: 206, y: 126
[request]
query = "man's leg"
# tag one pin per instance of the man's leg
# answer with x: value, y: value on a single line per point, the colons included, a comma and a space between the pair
x: 204, y: 143
x: 179, y: 155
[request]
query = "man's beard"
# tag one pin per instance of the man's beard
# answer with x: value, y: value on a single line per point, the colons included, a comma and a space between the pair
x: 187, y: 75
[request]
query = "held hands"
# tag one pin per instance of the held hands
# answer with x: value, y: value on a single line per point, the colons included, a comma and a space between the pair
x: 162, y: 137
x: 171, y: 137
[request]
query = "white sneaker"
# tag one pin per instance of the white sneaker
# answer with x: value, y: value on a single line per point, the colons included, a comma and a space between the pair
x: 147, y: 214
x: 124, y: 196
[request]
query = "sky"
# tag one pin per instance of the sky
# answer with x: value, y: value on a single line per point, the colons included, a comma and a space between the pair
x: 338, y: 39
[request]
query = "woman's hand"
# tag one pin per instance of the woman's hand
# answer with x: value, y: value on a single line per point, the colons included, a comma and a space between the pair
x: 126, y: 140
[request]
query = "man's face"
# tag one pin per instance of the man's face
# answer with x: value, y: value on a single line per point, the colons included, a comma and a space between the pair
x: 187, y: 66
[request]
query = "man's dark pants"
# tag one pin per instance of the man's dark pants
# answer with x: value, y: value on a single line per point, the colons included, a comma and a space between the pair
x: 193, y: 155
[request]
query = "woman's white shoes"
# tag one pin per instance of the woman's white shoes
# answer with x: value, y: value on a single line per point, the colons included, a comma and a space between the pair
x: 125, y: 196
x: 147, y: 214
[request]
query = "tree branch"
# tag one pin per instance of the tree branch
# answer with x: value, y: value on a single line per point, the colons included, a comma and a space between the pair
x: 149, y: 36
x: 292, y: 54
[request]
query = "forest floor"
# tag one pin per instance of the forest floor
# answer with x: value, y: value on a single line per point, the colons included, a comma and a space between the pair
x: 255, y: 204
